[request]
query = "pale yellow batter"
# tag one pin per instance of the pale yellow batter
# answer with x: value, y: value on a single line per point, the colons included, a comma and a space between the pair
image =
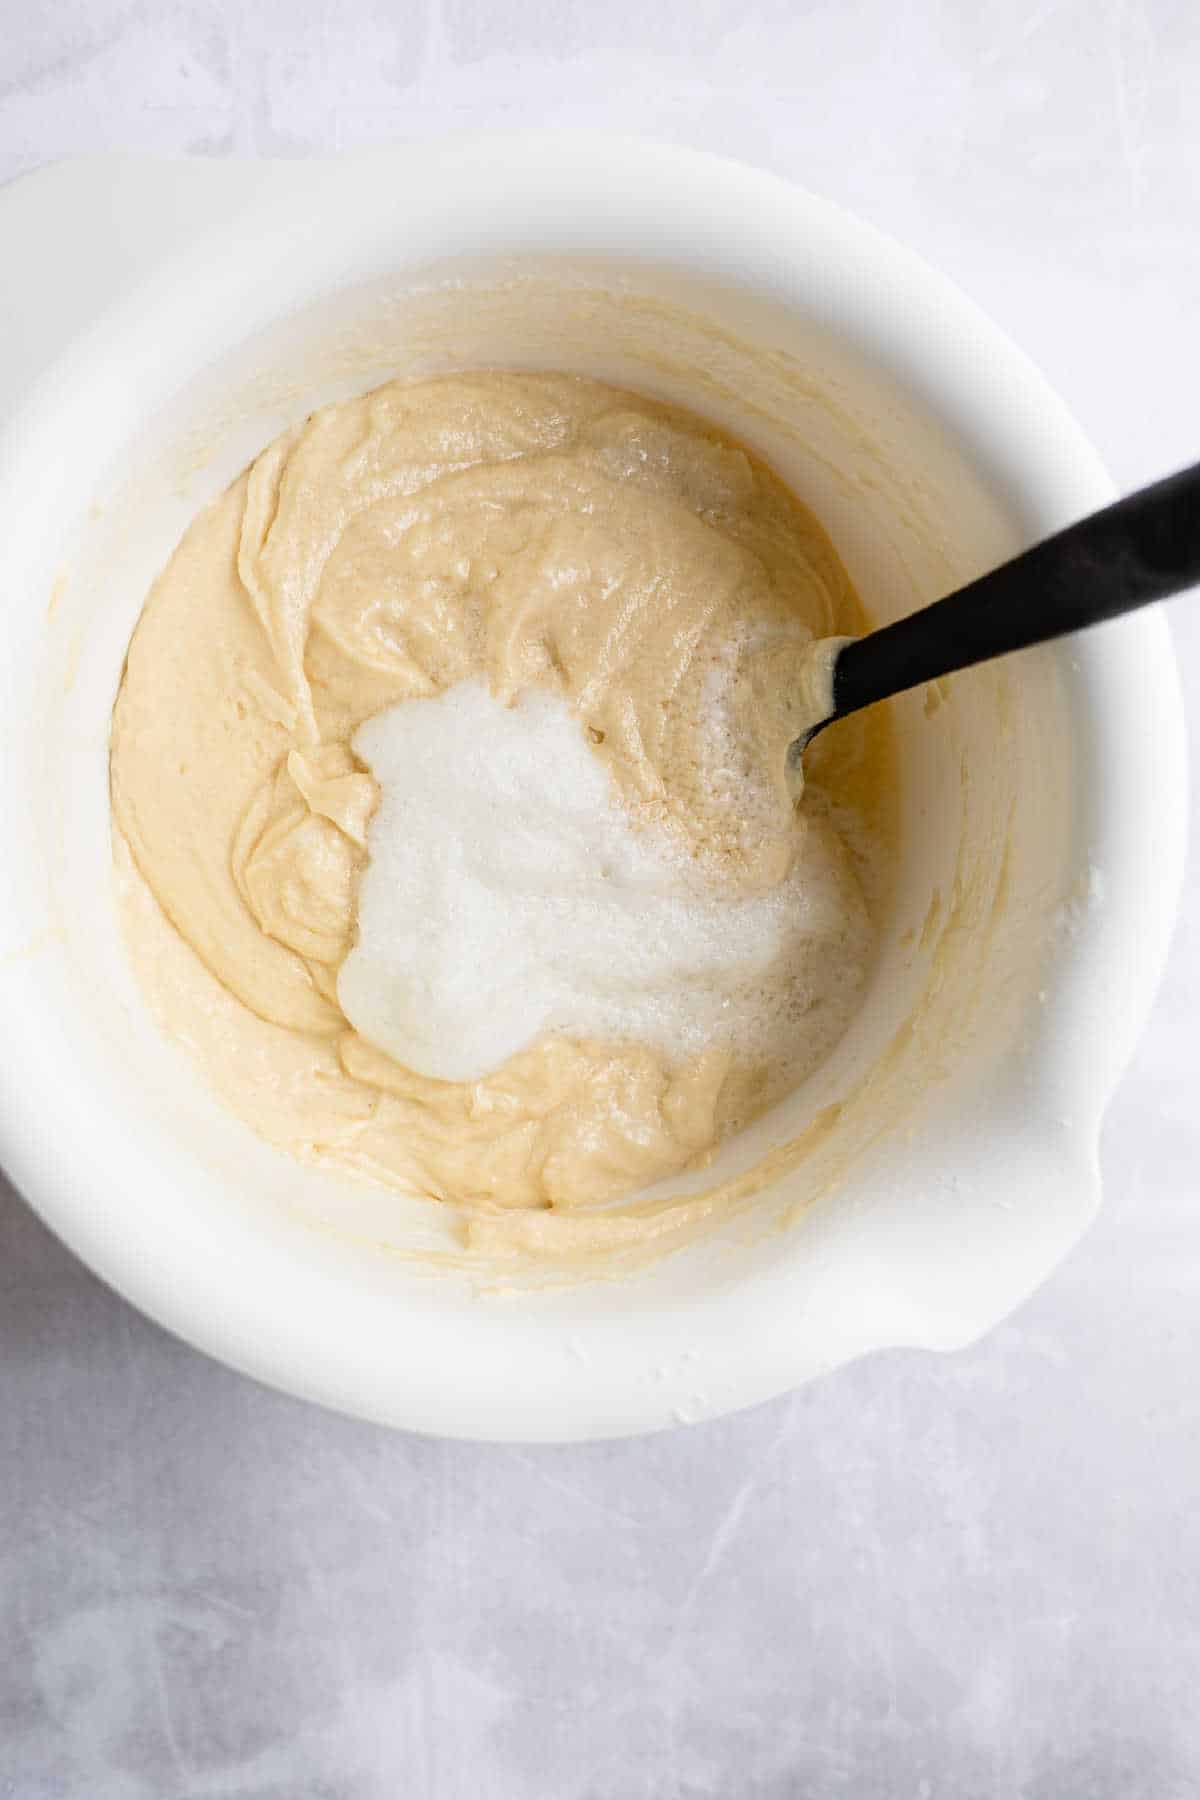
x: 533, y: 529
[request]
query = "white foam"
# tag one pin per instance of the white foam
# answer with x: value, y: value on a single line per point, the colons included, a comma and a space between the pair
x: 509, y: 894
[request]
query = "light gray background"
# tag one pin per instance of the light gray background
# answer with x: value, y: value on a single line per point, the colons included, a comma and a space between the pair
x: 963, y: 1578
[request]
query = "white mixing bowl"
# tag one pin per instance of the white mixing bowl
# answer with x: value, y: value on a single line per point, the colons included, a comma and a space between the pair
x: 954, y: 1156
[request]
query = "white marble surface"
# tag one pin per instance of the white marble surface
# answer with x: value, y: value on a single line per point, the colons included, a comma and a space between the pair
x: 926, y: 1579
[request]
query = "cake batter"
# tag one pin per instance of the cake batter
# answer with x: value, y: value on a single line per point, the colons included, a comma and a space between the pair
x: 527, y: 534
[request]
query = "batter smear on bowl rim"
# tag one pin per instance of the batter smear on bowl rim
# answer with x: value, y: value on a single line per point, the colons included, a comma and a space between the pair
x: 451, y: 748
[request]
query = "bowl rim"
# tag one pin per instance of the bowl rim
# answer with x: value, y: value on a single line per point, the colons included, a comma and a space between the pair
x: 744, y: 221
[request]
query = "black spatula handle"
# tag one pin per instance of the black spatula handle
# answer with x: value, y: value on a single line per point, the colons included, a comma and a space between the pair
x: 1140, y: 549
